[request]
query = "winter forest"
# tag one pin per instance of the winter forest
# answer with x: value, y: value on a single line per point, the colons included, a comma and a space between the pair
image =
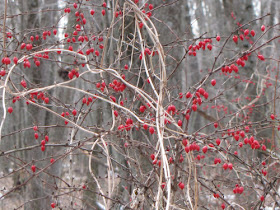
x: 140, y: 104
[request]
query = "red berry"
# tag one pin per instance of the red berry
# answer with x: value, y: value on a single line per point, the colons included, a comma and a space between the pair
x: 187, y: 149
x: 43, y: 148
x: 216, y: 124
x: 242, y: 134
x: 46, y: 100
x: 15, y: 60
x: 142, y: 108
x: 180, y: 123
x: 151, y: 130
x: 74, y: 112
x: 23, y: 83
x: 84, y: 100
x: 92, y: 12
x: 47, y: 138
x: 29, y: 46
x: 36, y: 135
x: 194, y: 107
x: 52, y: 160
x: 225, y: 166
x: 240, y: 190
x: 70, y: 75
x: 263, y: 28
x: 253, y: 33
x: 116, y: 113
x: 204, y: 149
x: 246, y: 32
x: 272, y: 116
x: 235, y: 39
x: 218, y: 142
x: 261, y: 57
x: 10, y: 110
x: 145, y: 126
x: 33, y: 168
x: 213, y: 82
x: 37, y: 63
x: 240, y: 144
x: 113, y: 98
x: 262, y: 198
x: 206, y: 95
x: 53, y: 205
x: 98, y: 85
x: 22, y: 46
x: 236, y: 137
x: 185, y: 142
x: 84, y: 21
x: 201, y: 91
x: 188, y: 95
x: 103, y: 12
x: 181, y: 185
x: 223, y: 206
x: 218, y: 38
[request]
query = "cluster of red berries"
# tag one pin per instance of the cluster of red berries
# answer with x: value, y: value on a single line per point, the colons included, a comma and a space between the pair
x: 117, y: 85
x: 227, y: 166
x: 229, y: 69
x: 39, y: 95
x: 73, y: 73
x: 6, y: 60
x: 101, y: 86
x: 192, y: 147
x: 43, y: 143
x: 128, y: 125
x: 216, y: 195
x: 202, y: 44
x: 238, y: 189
